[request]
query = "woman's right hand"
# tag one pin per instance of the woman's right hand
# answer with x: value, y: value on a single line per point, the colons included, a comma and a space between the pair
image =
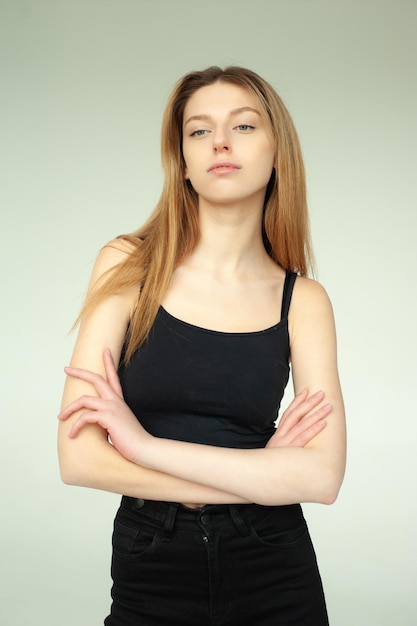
x: 300, y: 423
x: 107, y: 409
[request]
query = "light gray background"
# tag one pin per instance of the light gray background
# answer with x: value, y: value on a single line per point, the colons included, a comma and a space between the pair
x: 83, y: 86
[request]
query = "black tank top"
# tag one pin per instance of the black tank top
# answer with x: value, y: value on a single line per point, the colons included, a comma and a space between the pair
x: 203, y: 386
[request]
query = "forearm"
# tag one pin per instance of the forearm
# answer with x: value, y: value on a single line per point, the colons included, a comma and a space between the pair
x: 276, y: 476
x: 91, y: 461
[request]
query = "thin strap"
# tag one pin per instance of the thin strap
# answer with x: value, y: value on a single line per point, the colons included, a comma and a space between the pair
x: 287, y: 293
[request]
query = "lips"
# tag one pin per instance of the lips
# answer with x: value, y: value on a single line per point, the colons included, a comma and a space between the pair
x: 223, y: 167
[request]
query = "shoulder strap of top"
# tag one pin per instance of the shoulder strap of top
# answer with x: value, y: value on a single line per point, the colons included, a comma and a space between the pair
x: 287, y: 293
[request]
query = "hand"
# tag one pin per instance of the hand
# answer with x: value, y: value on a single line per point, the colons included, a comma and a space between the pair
x: 108, y: 409
x: 296, y: 428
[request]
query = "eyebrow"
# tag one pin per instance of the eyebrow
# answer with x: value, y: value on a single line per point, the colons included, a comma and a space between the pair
x: 231, y: 114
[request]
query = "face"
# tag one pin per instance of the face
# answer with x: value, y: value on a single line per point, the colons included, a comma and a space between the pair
x: 227, y: 145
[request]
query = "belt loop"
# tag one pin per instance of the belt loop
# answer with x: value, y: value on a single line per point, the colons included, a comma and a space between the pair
x: 239, y: 522
x: 169, y: 522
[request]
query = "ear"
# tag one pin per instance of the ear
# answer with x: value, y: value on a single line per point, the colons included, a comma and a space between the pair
x: 186, y: 176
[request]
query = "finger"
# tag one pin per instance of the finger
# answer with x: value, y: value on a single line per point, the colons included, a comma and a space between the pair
x: 93, y: 403
x: 300, y: 431
x: 307, y: 435
x: 299, y: 399
x: 111, y: 373
x: 88, y: 417
x: 100, y: 384
x: 310, y: 402
x: 309, y: 420
x: 292, y: 428
x: 300, y: 406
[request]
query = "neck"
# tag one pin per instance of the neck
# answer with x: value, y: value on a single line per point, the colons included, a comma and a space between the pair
x: 231, y: 238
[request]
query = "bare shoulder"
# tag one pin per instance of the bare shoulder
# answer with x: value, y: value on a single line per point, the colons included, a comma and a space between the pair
x: 111, y: 297
x: 114, y: 253
x: 104, y: 319
x: 309, y: 293
x: 307, y: 288
x: 310, y: 306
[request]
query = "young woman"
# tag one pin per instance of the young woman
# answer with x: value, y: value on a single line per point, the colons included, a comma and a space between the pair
x: 180, y: 366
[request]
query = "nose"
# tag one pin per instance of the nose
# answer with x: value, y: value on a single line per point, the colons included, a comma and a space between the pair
x: 221, y: 141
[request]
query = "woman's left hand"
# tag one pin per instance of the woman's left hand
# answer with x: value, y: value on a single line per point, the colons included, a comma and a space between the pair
x: 301, y: 421
x: 108, y: 409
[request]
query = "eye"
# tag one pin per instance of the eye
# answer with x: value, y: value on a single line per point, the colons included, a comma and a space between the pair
x: 245, y: 127
x: 199, y: 133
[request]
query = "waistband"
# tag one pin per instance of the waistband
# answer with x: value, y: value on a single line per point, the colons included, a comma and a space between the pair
x: 159, y: 510
x: 166, y: 515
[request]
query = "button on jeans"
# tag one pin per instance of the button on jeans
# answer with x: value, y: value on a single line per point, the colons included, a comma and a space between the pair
x: 222, y: 565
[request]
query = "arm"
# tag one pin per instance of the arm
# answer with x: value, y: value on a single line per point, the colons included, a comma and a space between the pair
x: 284, y: 475
x: 271, y: 476
x: 90, y: 460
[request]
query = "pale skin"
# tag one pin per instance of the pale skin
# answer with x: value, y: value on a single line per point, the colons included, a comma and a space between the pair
x: 229, y: 284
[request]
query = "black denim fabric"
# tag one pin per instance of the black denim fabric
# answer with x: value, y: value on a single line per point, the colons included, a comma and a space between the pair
x: 222, y: 565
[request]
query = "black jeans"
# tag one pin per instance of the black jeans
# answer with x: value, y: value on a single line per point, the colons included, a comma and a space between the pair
x: 222, y: 565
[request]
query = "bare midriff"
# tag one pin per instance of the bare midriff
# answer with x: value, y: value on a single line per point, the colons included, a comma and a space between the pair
x: 192, y: 506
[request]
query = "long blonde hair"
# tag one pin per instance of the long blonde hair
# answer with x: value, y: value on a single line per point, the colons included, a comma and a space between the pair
x: 172, y: 231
